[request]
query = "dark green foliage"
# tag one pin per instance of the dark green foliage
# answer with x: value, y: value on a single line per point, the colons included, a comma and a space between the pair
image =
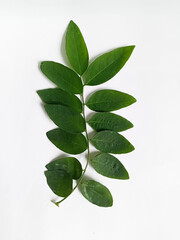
x: 107, y: 65
x: 109, y: 121
x: 67, y: 111
x: 69, y: 164
x: 68, y: 142
x: 109, y: 100
x: 62, y: 76
x: 76, y: 49
x: 66, y: 118
x: 58, y: 96
x: 109, y: 166
x: 111, y: 142
x: 60, y: 182
x: 96, y: 193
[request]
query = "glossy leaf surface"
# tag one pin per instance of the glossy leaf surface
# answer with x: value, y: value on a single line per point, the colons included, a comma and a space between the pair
x: 58, y: 96
x: 76, y: 49
x: 109, y: 166
x: 60, y: 182
x: 107, y: 65
x: 109, y: 121
x: 67, y: 142
x: 66, y: 118
x: 69, y: 164
x: 109, y: 100
x: 111, y: 142
x: 62, y: 76
x: 96, y: 193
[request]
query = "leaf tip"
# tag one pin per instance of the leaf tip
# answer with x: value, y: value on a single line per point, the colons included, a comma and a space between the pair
x: 42, y: 64
x: 38, y: 92
x: 71, y: 22
x: 132, y: 147
x: 132, y: 47
x: 131, y: 125
x: 47, y: 133
x: 111, y: 202
x: 134, y: 100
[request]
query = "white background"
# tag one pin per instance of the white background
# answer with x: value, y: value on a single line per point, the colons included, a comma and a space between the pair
x: 146, y: 206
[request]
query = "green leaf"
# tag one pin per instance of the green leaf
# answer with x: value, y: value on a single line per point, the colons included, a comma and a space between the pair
x: 58, y: 96
x: 76, y: 49
x: 107, y: 65
x: 109, y: 100
x: 67, y: 142
x: 69, y: 164
x: 66, y: 118
x: 109, y: 166
x: 60, y: 182
x: 109, y: 121
x: 96, y: 193
x: 62, y: 76
x: 111, y: 142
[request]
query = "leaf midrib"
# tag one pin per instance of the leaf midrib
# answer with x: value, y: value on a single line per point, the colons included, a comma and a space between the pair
x: 103, y: 69
x: 77, y: 53
x: 63, y: 80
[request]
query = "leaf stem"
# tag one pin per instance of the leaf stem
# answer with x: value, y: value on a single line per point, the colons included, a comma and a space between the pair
x: 88, y: 158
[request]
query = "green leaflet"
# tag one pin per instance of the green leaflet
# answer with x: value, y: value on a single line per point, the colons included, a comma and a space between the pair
x: 69, y: 164
x: 109, y: 121
x: 58, y: 96
x: 62, y: 76
x: 67, y: 142
x: 111, y: 142
x: 109, y: 166
x: 96, y: 193
x: 107, y: 65
x: 66, y: 118
x: 60, y: 182
x: 109, y: 100
x: 76, y: 49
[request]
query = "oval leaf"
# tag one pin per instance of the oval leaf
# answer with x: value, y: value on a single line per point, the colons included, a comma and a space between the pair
x: 109, y: 166
x: 111, y: 142
x: 69, y: 164
x: 67, y: 142
x: 62, y: 76
x: 109, y: 100
x: 109, y: 121
x: 96, y: 193
x: 107, y: 65
x: 76, y: 49
x: 60, y: 182
x: 58, y: 96
x: 66, y: 118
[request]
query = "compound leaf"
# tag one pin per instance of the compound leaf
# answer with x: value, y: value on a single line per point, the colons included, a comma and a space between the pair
x: 67, y: 142
x: 111, y: 142
x: 66, y: 118
x: 76, y: 49
x: 109, y: 121
x: 109, y: 166
x: 69, y: 164
x: 107, y: 65
x: 58, y: 96
x: 96, y: 193
x: 60, y: 182
x: 109, y: 100
x: 62, y: 76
